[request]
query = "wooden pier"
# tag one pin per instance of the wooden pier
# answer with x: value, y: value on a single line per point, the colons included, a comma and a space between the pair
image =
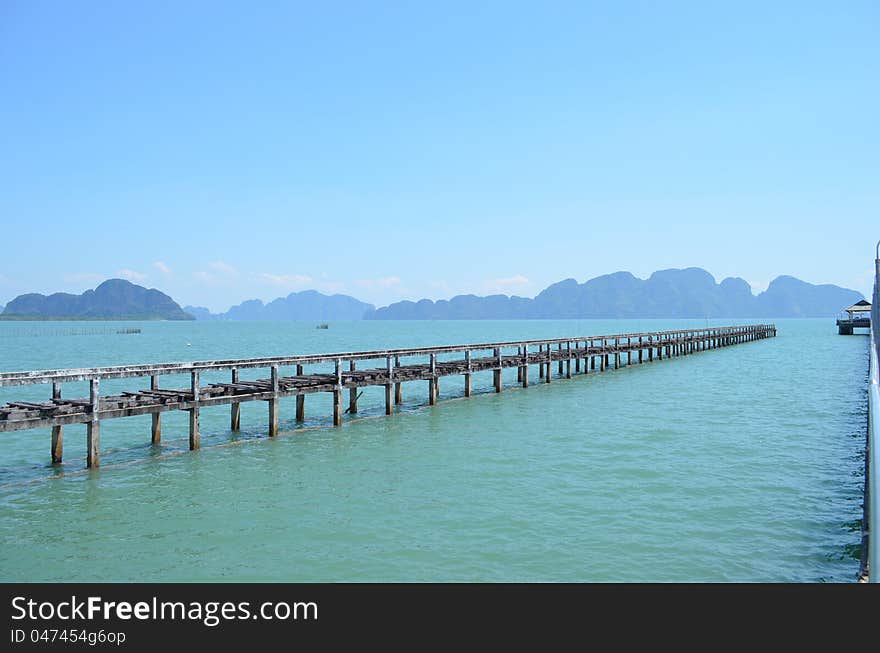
x: 351, y: 371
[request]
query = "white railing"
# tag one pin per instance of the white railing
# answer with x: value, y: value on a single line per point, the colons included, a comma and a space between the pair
x: 872, y: 483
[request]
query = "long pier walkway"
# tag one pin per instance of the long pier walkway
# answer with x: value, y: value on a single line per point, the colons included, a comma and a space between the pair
x: 580, y: 353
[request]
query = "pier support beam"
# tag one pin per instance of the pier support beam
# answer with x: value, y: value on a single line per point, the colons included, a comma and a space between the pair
x: 467, y: 377
x: 541, y: 364
x: 568, y: 361
x: 300, y: 399
x: 561, y: 362
x: 93, y: 428
x: 525, y: 367
x: 194, y: 436
x: 273, y: 404
x: 57, y: 431
x: 235, y: 409
x: 577, y: 358
x: 497, y: 375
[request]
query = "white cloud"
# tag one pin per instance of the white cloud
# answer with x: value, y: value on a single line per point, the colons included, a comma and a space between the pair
x: 163, y: 268
x: 221, y: 272
x: 131, y: 275
x: 223, y: 268
x: 382, y: 282
x: 285, y: 280
x: 505, y: 284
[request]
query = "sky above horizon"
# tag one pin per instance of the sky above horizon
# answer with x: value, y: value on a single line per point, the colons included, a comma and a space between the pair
x: 222, y: 152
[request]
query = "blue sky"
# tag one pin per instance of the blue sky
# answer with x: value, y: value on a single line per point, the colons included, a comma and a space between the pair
x: 402, y: 150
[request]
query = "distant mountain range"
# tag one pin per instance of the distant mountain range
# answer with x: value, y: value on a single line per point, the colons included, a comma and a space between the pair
x: 305, y: 305
x: 115, y: 299
x: 687, y: 293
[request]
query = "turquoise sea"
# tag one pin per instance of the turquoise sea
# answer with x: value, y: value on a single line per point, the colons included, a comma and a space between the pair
x: 739, y: 464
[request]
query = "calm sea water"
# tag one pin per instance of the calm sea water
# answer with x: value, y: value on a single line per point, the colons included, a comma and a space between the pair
x: 741, y: 464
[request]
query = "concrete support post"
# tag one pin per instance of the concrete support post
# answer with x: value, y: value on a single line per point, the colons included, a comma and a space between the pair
x: 389, y: 386
x: 235, y: 410
x: 57, y: 431
x: 300, y: 399
x: 194, y: 412
x: 93, y: 427
x: 273, y: 404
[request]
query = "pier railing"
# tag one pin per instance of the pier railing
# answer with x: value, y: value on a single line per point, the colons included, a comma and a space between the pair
x: 424, y: 365
x: 871, y: 569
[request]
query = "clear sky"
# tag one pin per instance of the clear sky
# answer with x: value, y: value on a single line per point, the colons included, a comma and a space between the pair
x: 223, y: 151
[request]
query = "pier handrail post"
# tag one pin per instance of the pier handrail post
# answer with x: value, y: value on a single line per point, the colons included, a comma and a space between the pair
x: 93, y: 428
x: 57, y: 451
x: 194, y: 437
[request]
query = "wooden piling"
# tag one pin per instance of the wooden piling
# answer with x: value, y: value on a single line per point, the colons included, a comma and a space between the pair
x: 467, y: 376
x: 525, y: 367
x: 498, y: 381
x: 541, y: 364
x: 57, y: 431
x: 577, y: 358
x: 561, y: 361
x: 398, y: 392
